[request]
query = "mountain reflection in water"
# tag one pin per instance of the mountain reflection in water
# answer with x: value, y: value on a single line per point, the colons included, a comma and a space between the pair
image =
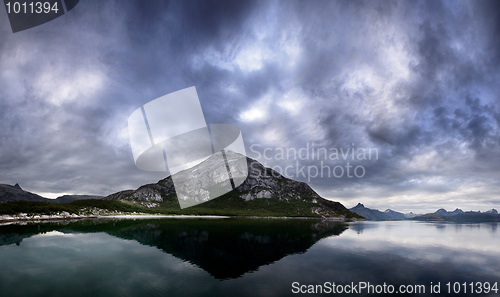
x: 225, y: 248
x: 247, y: 257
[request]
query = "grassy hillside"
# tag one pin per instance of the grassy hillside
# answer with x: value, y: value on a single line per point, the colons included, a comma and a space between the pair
x: 228, y: 205
x: 232, y: 205
x: 76, y: 207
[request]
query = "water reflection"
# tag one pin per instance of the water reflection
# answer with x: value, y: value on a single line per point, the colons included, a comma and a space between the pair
x: 230, y: 249
x: 361, y: 226
x: 239, y: 257
x: 223, y: 248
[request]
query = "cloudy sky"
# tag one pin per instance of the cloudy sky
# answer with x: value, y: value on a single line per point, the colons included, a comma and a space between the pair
x: 417, y: 80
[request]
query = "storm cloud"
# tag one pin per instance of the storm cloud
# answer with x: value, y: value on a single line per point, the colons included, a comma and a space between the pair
x: 416, y: 80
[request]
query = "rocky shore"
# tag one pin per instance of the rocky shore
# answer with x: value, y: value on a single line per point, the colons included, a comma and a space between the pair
x: 59, y: 216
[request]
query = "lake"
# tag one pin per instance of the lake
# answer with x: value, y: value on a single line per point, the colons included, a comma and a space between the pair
x: 248, y: 257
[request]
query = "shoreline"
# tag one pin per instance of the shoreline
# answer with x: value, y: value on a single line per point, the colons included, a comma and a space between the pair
x: 161, y: 216
x: 6, y: 219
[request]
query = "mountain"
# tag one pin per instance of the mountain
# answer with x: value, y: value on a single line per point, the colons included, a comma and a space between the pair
x: 445, y: 213
x: 394, y: 215
x: 264, y: 192
x: 10, y: 193
x: 71, y: 198
x: 432, y: 217
x: 411, y: 215
x: 15, y: 193
x: 471, y: 216
x: 377, y: 215
x: 458, y: 215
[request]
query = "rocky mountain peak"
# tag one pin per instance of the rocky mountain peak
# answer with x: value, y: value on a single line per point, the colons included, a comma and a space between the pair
x: 15, y: 193
x: 444, y: 212
x: 253, y: 180
x: 377, y: 215
x: 261, y: 182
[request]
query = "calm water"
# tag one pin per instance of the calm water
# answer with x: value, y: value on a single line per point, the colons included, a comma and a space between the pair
x: 236, y: 257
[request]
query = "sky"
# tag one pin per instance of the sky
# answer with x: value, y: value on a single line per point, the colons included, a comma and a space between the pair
x: 415, y: 81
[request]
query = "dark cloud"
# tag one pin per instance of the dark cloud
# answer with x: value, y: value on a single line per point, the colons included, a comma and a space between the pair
x: 416, y: 80
x: 488, y: 13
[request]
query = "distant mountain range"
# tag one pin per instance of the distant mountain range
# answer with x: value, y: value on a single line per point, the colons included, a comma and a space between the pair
x: 10, y: 193
x: 377, y: 215
x: 441, y: 214
x: 458, y: 215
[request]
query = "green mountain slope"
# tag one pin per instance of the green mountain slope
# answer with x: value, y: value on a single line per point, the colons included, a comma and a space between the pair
x: 264, y: 193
